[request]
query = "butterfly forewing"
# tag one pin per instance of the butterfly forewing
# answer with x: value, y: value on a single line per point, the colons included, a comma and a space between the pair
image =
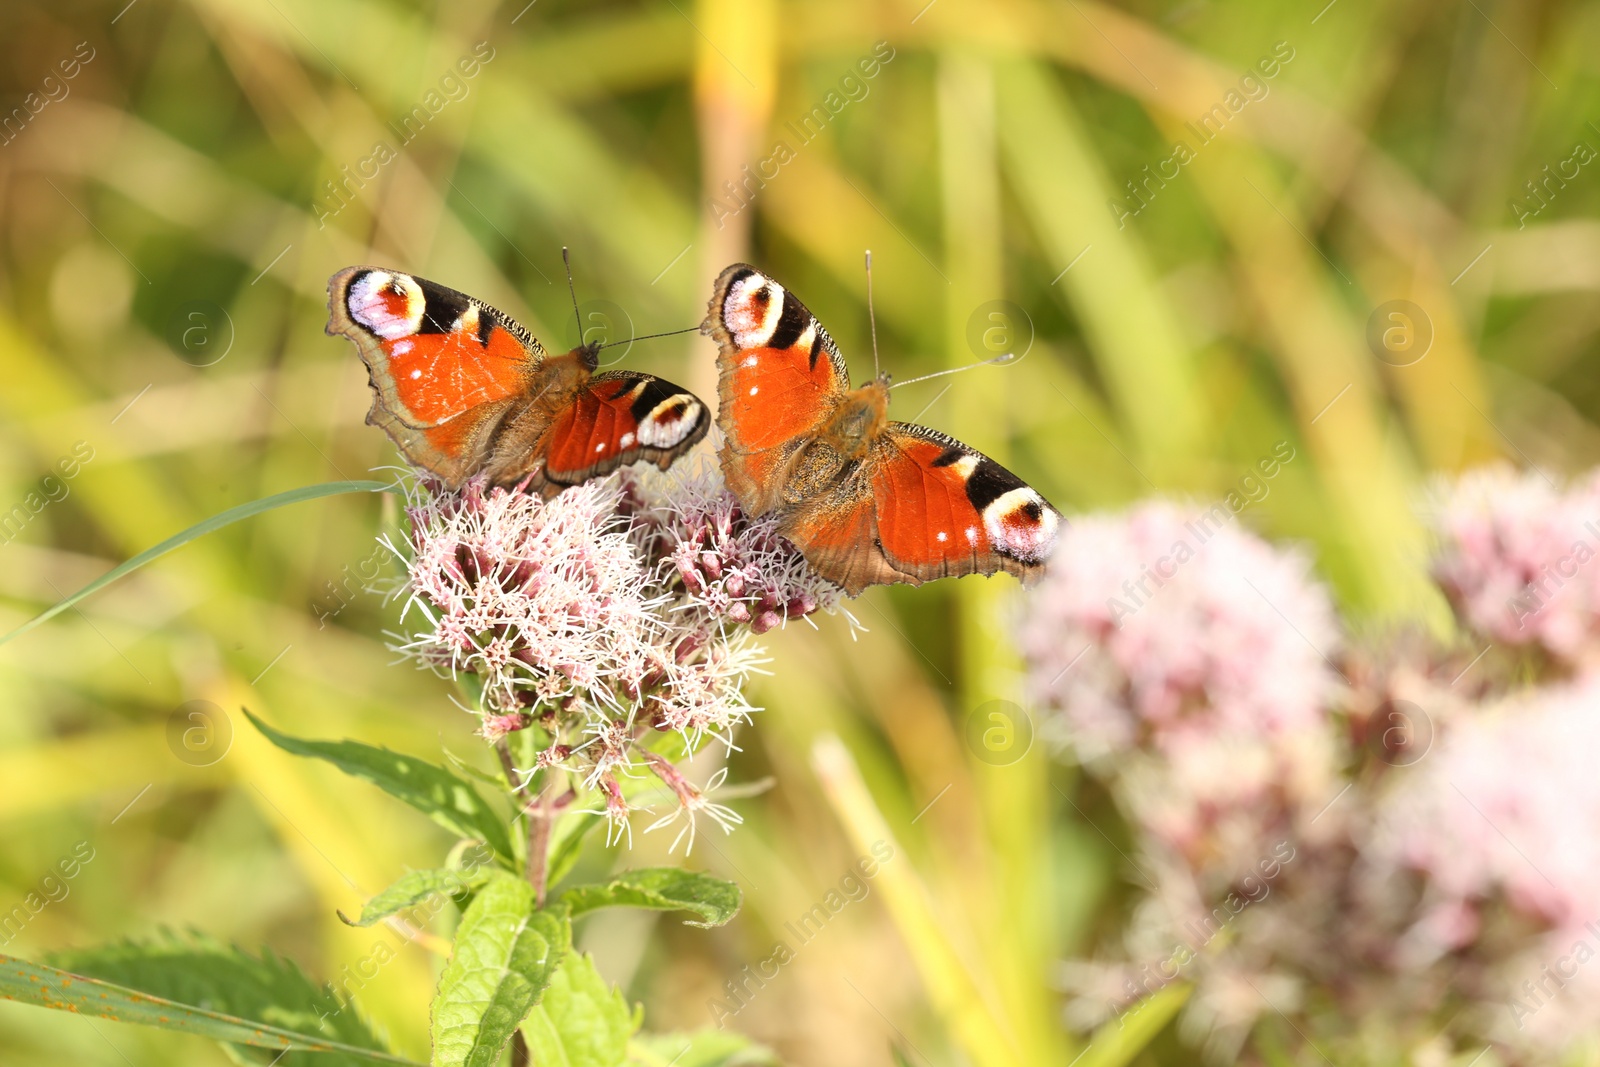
x: 444, y: 367
x: 779, y: 375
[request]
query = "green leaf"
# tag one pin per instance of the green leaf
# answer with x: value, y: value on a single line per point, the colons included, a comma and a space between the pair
x: 432, y: 790
x: 567, y: 847
x: 199, y: 970
x: 581, y: 1022
x: 477, y: 774
x: 51, y: 987
x: 1118, y: 1041
x: 703, y: 1048
x: 414, y: 887
x: 505, y: 953
x: 178, y: 540
x: 661, y: 889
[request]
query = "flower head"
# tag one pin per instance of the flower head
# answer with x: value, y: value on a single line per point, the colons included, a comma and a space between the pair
x: 1515, y: 559
x: 620, y: 610
x: 1186, y: 656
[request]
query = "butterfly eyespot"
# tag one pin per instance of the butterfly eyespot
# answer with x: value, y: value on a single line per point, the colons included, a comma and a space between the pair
x: 1019, y: 524
x: 389, y: 305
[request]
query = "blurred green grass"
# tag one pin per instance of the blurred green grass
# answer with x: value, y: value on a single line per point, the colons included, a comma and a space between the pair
x: 184, y: 166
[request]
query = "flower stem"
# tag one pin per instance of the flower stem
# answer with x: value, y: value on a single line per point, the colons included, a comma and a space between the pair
x: 539, y: 814
x: 539, y: 820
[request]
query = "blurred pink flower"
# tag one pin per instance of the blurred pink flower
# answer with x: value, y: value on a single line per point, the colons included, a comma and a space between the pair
x: 1515, y: 558
x: 1506, y: 812
x: 1185, y: 656
x: 1458, y: 865
x: 1509, y: 804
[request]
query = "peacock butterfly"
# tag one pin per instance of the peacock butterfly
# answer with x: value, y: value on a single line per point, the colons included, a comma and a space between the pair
x: 866, y: 500
x: 463, y: 389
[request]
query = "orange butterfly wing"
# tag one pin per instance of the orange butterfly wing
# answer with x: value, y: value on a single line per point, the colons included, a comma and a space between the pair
x: 944, y: 509
x: 921, y: 506
x: 779, y: 375
x: 918, y: 505
x: 445, y: 369
x: 620, y: 417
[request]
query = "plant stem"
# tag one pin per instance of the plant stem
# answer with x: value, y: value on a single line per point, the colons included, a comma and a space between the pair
x: 537, y: 811
x: 539, y: 820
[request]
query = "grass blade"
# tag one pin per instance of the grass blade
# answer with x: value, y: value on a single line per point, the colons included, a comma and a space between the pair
x: 178, y: 540
x: 1117, y: 1042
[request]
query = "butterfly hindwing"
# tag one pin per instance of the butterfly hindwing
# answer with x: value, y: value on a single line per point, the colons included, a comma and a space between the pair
x: 444, y: 367
x: 837, y: 532
x: 617, y: 418
x: 945, y: 509
x: 779, y: 376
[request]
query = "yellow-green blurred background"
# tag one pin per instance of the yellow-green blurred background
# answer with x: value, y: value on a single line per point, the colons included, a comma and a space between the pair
x: 182, y: 170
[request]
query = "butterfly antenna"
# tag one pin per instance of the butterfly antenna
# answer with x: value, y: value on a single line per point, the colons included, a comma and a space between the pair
x: 872, y: 319
x: 576, y: 316
x: 1001, y: 360
x: 649, y: 336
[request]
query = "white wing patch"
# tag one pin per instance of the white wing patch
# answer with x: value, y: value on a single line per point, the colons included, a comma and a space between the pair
x: 1022, y: 525
x: 388, y: 304
x: 749, y: 319
x: 670, y: 421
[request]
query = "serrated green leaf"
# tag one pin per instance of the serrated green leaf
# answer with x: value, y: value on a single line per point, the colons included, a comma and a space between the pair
x: 52, y: 987
x: 209, y: 974
x: 661, y: 889
x: 431, y: 789
x: 413, y: 887
x: 702, y: 1048
x: 581, y: 1022
x: 506, y: 950
x: 178, y: 540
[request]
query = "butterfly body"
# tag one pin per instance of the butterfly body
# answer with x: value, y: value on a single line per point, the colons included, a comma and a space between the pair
x: 463, y: 390
x: 866, y: 499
